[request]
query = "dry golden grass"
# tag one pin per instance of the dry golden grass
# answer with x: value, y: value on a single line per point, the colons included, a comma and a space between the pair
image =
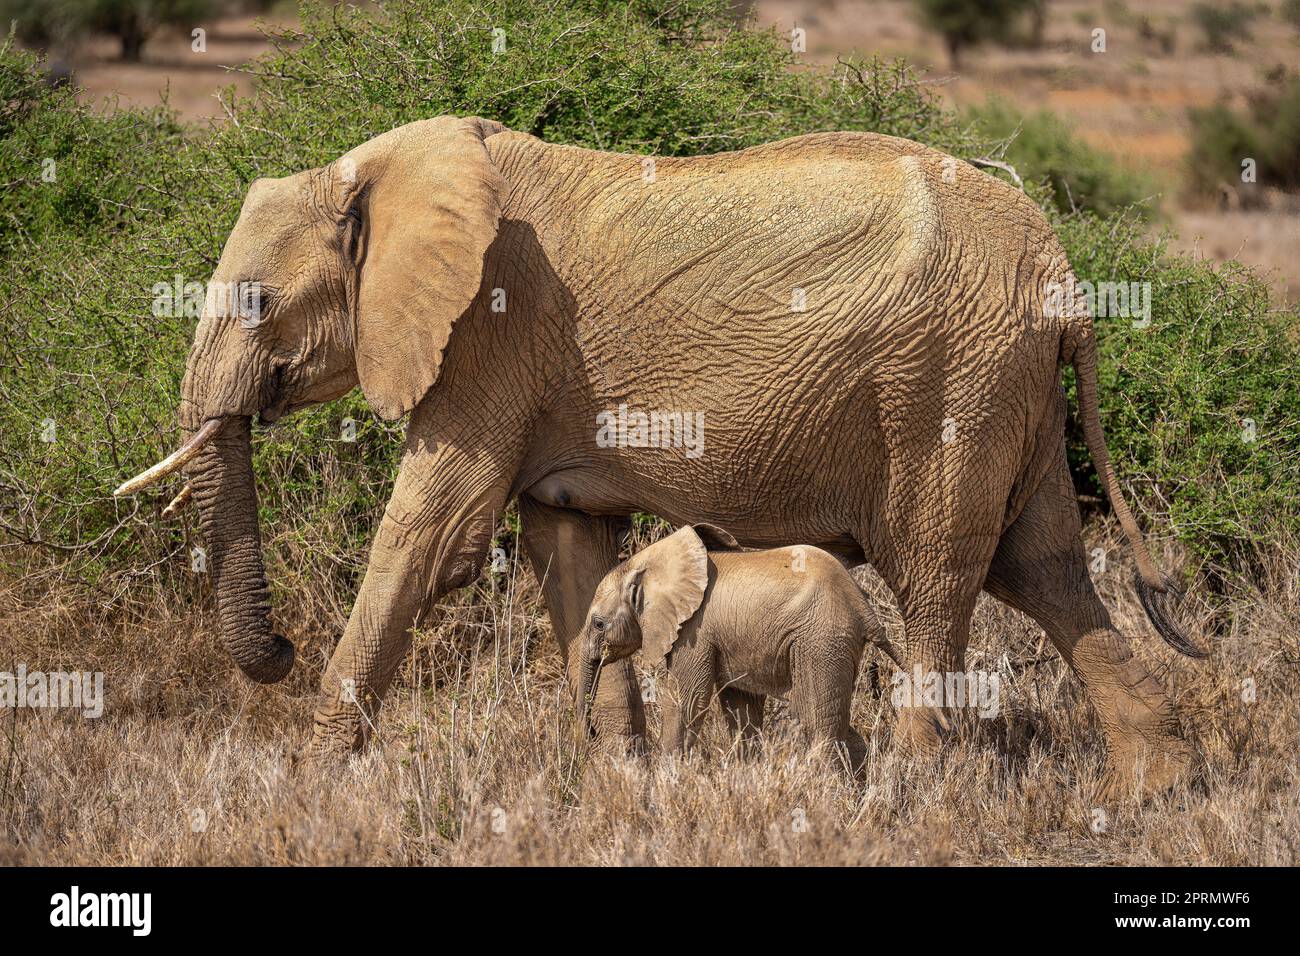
x: 475, y: 762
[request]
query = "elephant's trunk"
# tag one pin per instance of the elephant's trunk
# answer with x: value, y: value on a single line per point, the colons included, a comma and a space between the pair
x: 227, y: 502
x: 589, y: 666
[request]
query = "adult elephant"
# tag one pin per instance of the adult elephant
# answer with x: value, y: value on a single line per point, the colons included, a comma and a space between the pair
x: 863, y: 327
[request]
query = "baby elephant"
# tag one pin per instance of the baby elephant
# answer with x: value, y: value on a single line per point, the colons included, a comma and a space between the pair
x: 749, y: 623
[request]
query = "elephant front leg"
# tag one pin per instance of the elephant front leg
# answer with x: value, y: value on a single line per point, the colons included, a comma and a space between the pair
x: 692, y: 678
x: 570, y: 552
x: 433, y: 538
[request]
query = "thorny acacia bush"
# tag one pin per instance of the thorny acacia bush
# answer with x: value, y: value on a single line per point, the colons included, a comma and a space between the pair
x: 135, y: 200
x: 1043, y: 146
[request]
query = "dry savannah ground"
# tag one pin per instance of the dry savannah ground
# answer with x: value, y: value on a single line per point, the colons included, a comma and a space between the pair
x: 476, y: 761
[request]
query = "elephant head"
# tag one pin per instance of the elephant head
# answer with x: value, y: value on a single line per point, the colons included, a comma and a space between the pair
x: 642, y: 604
x: 349, y: 274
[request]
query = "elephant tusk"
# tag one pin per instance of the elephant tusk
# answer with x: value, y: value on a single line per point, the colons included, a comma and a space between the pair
x: 180, y: 501
x: 173, y: 462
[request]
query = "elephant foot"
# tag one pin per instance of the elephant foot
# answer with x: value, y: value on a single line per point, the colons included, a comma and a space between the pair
x: 748, y: 750
x: 1146, y: 753
x: 614, y: 744
x: 335, y: 734
x: 921, y: 731
x: 318, y: 759
x: 326, y: 750
x: 309, y: 761
x: 851, y: 755
x: 1154, y: 768
x: 321, y: 757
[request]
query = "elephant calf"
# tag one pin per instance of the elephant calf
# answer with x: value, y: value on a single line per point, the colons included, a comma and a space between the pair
x: 748, y: 623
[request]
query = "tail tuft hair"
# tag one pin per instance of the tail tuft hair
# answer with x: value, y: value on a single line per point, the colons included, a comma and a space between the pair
x: 1159, y: 603
x: 1158, y: 594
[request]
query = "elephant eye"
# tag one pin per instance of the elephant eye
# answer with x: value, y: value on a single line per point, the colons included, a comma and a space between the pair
x: 252, y: 301
x: 599, y: 623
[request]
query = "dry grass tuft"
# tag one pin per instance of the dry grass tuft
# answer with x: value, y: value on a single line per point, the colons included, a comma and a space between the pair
x: 476, y: 763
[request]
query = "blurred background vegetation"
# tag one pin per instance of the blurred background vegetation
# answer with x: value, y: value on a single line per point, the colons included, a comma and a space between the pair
x: 98, y: 203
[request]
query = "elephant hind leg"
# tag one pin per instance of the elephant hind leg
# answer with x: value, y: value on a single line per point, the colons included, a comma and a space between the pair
x: 856, y: 752
x: 934, y: 559
x: 1040, y: 569
x: 744, y: 714
x: 823, y: 673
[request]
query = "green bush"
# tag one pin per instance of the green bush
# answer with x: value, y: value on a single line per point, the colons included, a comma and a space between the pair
x: 70, y: 169
x: 137, y: 201
x: 1289, y: 10
x: 48, y: 22
x: 967, y: 23
x: 1268, y: 133
x: 1043, y: 147
x: 1201, y: 406
x: 1223, y: 25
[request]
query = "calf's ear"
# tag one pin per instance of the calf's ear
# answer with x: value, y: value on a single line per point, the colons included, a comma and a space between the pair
x: 675, y: 575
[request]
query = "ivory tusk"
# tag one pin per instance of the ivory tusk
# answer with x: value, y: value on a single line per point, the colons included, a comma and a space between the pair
x: 173, y: 462
x: 180, y: 501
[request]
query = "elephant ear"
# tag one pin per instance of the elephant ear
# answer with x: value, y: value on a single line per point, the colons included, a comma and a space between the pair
x: 676, y: 575
x: 715, y: 539
x: 428, y: 200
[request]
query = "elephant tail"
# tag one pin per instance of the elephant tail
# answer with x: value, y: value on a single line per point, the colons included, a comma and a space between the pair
x: 1159, y: 595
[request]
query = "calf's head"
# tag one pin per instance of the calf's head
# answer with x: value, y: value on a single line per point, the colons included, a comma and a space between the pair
x: 641, y: 604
